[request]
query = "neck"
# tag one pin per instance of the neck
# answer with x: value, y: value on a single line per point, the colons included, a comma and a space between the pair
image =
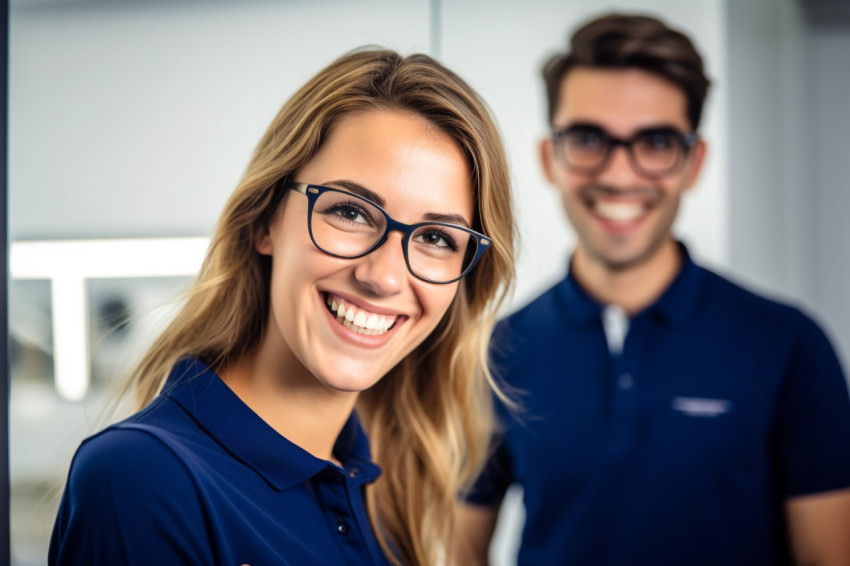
x: 633, y: 287
x: 291, y: 400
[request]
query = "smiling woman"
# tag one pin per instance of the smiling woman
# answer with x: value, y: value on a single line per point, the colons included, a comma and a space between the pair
x: 345, y: 301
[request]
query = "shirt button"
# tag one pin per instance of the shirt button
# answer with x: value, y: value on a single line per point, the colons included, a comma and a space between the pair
x: 353, y: 472
x: 342, y: 527
x: 625, y: 381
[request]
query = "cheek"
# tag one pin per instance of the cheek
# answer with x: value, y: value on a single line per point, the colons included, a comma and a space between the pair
x: 572, y: 183
x: 293, y: 250
x: 673, y: 188
x: 436, y: 302
x: 571, y: 197
x: 294, y: 267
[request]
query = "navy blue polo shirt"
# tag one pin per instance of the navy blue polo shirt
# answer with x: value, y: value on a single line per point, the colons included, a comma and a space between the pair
x: 198, y: 478
x: 681, y: 448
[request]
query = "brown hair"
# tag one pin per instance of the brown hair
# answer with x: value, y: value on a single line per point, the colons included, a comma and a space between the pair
x: 429, y: 419
x: 619, y: 41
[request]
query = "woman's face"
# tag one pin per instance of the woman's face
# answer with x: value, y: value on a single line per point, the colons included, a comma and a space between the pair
x: 420, y: 174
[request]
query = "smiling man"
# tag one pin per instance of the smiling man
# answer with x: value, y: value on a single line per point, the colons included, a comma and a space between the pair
x: 671, y: 417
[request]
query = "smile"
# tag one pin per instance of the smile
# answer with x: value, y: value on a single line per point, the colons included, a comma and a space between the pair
x: 359, y: 320
x: 618, y: 211
x: 620, y: 206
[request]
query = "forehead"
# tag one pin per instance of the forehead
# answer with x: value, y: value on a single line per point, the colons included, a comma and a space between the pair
x: 414, y: 167
x: 620, y: 100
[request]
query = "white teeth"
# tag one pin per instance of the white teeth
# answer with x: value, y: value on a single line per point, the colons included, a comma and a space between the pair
x: 618, y: 210
x: 359, y: 321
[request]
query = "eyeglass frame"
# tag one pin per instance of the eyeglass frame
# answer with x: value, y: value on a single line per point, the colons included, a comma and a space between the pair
x: 313, y: 192
x: 687, y: 141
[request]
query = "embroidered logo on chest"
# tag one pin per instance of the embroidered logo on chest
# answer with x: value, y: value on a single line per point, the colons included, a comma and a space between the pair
x: 701, y: 406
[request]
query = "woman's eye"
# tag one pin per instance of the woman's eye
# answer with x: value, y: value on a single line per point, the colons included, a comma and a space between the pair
x: 438, y: 238
x: 349, y: 213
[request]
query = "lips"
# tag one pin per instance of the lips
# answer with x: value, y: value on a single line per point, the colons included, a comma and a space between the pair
x: 357, y: 319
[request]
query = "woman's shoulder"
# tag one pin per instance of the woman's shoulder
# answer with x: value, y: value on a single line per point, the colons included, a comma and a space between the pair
x: 136, y: 453
x: 131, y: 494
x: 159, y: 438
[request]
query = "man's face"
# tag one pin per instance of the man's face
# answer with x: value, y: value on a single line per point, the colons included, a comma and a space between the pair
x: 621, y: 215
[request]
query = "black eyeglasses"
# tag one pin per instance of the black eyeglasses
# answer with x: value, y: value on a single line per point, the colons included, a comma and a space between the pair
x: 654, y: 152
x: 346, y: 225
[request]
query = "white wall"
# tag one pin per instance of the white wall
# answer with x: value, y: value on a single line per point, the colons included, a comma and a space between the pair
x: 136, y: 119
x: 788, y: 148
x: 828, y: 186
x: 767, y: 78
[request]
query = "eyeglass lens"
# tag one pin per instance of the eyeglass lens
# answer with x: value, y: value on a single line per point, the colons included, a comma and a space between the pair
x: 345, y: 225
x: 653, y: 151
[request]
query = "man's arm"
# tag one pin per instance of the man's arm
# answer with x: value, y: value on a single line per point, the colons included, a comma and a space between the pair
x: 813, y: 440
x: 819, y: 527
x: 474, y: 526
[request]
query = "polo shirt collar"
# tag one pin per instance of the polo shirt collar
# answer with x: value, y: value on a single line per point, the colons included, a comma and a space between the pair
x: 229, y: 421
x: 581, y: 307
x: 681, y: 298
x: 675, y: 305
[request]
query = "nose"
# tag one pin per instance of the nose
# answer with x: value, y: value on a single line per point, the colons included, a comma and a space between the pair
x: 619, y: 171
x: 384, y: 271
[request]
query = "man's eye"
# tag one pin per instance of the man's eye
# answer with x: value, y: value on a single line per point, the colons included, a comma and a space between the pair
x: 657, y: 142
x: 586, y: 139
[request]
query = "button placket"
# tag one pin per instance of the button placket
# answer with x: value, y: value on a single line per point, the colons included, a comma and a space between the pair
x: 624, y: 389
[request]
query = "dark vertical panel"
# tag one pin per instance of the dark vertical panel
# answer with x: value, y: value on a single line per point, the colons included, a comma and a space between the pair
x: 5, y: 551
x: 827, y: 13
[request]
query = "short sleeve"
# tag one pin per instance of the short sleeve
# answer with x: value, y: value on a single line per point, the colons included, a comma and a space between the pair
x: 491, y: 485
x: 813, y: 418
x: 129, y: 500
x: 494, y: 480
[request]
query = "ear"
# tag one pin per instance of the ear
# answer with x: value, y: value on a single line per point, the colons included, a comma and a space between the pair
x: 547, y: 158
x: 696, y: 161
x: 264, y: 240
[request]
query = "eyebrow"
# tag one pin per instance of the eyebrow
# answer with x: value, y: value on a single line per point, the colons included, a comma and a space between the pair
x: 362, y: 191
x: 359, y: 190
x: 661, y: 126
x: 447, y: 218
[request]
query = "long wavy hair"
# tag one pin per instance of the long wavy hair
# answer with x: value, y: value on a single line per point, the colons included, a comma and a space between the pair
x: 429, y: 419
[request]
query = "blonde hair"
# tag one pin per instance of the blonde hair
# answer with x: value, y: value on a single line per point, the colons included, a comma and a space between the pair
x: 429, y: 419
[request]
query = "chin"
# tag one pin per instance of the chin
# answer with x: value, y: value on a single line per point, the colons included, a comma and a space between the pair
x: 624, y: 263
x: 351, y: 382
x: 623, y: 254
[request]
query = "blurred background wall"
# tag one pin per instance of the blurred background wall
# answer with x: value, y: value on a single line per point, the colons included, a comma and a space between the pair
x: 135, y: 119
